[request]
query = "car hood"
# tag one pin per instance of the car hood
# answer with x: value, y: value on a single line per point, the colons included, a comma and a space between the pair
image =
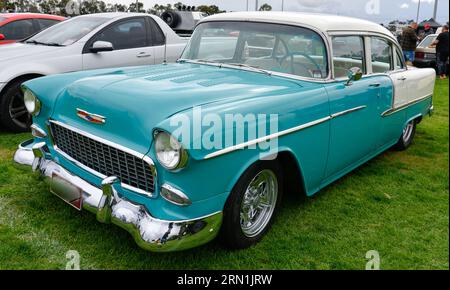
x: 11, y: 52
x: 137, y: 100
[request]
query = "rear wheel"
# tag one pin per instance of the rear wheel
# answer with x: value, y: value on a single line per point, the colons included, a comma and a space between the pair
x: 407, y: 136
x: 253, y: 202
x: 13, y: 114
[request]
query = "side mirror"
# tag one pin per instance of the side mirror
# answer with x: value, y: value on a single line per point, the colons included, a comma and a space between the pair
x: 100, y: 46
x: 2, y: 36
x: 354, y: 74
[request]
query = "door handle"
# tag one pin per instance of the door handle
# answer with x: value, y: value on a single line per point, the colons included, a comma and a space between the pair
x: 376, y: 85
x: 143, y: 54
x: 402, y: 79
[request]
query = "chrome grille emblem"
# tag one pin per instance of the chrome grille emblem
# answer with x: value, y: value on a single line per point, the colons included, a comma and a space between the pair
x: 89, y: 117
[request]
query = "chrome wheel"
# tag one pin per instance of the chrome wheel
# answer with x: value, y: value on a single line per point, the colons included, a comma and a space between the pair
x: 407, y: 132
x: 258, y: 203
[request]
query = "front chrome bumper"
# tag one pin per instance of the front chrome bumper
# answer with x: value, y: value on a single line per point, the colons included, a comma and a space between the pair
x: 149, y: 233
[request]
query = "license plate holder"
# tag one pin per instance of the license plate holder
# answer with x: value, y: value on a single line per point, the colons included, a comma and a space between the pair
x: 67, y: 191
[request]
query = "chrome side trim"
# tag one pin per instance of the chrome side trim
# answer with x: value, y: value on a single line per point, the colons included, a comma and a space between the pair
x: 404, y: 106
x: 266, y: 138
x: 146, y: 158
x: 342, y: 113
x: 282, y: 133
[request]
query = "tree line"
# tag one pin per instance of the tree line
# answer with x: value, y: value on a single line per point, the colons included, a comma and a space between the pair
x: 71, y: 7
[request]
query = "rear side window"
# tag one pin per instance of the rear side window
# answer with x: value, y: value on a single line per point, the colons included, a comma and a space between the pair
x: 18, y: 29
x: 45, y: 23
x: 158, y: 38
x: 382, y: 60
x: 125, y: 34
x: 348, y: 52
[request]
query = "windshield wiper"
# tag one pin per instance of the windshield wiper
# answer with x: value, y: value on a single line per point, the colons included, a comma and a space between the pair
x: 254, y: 68
x: 43, y: 43
x: 54, y: 44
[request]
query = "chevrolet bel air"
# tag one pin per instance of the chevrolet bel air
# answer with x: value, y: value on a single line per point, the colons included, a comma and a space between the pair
x: 259, y: 104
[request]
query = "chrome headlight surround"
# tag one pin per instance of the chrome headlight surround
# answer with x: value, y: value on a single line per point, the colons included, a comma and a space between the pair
x: 169, y: 152
x: 32, y: 103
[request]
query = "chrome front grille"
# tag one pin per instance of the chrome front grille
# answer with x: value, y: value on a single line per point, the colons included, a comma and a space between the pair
x: 104, y: 159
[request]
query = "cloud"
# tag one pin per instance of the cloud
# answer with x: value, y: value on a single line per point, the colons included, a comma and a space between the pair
x: 313, y: 5
x: 404, y: 6
x: 423, y: 1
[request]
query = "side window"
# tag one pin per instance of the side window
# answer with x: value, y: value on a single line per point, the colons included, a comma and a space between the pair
x: 399, y: 64
x: 382, y: 60
x: 18, y: 29
x: 125, y: 34
x: 348, y: 52
x: 45, y: 23
x: 158, y: 38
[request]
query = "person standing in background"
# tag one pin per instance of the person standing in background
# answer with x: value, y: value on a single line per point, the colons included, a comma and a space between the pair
x: 409, y: 42
x: 441, y: 44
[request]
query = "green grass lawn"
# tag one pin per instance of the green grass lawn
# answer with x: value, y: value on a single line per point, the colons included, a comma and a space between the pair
x: 397, y: 204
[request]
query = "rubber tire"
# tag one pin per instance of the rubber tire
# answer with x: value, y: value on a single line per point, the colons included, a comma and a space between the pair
x: 231, y: 235
x: 173, y: 16
x: 5, y: 120
x: 403, y: 145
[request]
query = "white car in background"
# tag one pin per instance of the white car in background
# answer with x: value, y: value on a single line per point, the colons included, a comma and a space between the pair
x: 84, y: 42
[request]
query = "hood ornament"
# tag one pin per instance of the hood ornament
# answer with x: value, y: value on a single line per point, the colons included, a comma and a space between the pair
x: 91, y: 118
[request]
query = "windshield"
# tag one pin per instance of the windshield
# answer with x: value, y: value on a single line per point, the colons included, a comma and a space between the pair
x: 67, y: 32
x: 272, y: 47
x: 427, y: 41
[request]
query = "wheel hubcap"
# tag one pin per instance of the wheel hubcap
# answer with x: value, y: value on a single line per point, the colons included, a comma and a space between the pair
x: 18, y: 112
x: 258, y: 203
x: 408, y: 131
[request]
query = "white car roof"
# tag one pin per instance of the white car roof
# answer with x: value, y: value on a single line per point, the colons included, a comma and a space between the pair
x: 113, y: 15
x: 322, y: 22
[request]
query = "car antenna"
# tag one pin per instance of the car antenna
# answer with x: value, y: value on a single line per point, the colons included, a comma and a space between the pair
x: 165, y: 49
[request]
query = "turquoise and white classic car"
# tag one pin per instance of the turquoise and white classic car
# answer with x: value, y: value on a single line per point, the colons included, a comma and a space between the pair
x: 259, y: 104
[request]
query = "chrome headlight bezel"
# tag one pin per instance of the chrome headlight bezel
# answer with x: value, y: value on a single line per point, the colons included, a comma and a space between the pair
x: 166, y: 144
x: 32, y: 103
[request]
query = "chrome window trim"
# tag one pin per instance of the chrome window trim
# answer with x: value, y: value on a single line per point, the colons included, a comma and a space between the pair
x: 282, y: 133
x: 145, y: 158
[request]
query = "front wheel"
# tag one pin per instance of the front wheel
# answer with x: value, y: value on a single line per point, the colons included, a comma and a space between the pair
x: 252, y: 204
x: 407, y: 136
x: 13, y: 114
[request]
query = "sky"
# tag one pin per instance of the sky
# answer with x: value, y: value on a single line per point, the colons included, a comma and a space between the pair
x: 380, y: 11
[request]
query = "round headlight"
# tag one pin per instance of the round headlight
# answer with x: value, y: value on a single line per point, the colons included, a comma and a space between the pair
x: 169, y: 151
x: 32, y: 103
